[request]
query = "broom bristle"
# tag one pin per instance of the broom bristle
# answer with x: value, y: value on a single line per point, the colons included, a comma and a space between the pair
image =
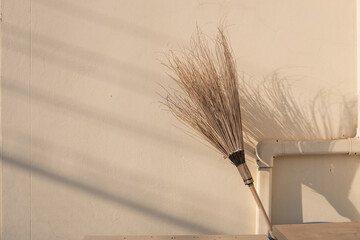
x: 208, y: 100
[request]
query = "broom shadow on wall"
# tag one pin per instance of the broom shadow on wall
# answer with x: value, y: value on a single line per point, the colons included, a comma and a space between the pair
x: 271, y: 110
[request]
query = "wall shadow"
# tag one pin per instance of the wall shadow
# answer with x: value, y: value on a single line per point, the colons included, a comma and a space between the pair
x: 330, y: 176
x: 76, y: 11
x: 96, y: 115
x: 105, y: 70
x: 24, y: 164
x: 271, y: 110
x: 92, y: 167
x: 83, y: 111
x: 95, y: 66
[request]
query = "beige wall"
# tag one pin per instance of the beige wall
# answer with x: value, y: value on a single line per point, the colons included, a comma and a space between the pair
x: 88, y: 150
x: 316, y: 189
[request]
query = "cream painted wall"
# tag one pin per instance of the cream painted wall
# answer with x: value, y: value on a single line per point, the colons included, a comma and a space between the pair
x: 316, y: 189
x: 86, y: 148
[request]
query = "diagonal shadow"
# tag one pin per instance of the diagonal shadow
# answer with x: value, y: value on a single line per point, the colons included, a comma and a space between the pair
x: 96, y: 115
x: 96, y: 66
x: 326, y: 176
x: 271, y: 110
x: 75, y: 10
x: 153, y: 213
x: 87, y: 163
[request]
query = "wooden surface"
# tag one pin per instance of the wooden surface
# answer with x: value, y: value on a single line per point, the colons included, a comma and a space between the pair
x: 180, y: 237
x: 317, y: 231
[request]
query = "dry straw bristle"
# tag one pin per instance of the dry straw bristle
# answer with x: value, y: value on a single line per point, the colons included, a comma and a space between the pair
x: 208, y: 100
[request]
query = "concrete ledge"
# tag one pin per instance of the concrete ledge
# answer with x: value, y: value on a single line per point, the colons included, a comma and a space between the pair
x: 317, y: 231
x: 180, y: 237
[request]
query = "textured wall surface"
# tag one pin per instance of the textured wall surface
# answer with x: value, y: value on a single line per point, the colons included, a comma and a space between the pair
x: 86, y: 148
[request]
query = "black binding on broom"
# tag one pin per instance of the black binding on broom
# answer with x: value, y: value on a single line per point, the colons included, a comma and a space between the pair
x: 209, y: 102
x: 237, y: 157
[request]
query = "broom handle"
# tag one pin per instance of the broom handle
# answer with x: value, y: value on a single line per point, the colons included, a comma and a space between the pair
x: 238, y: 158
x: 261, y: 207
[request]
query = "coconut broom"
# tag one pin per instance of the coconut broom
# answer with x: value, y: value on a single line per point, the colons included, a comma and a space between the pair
x: 208, y: 100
